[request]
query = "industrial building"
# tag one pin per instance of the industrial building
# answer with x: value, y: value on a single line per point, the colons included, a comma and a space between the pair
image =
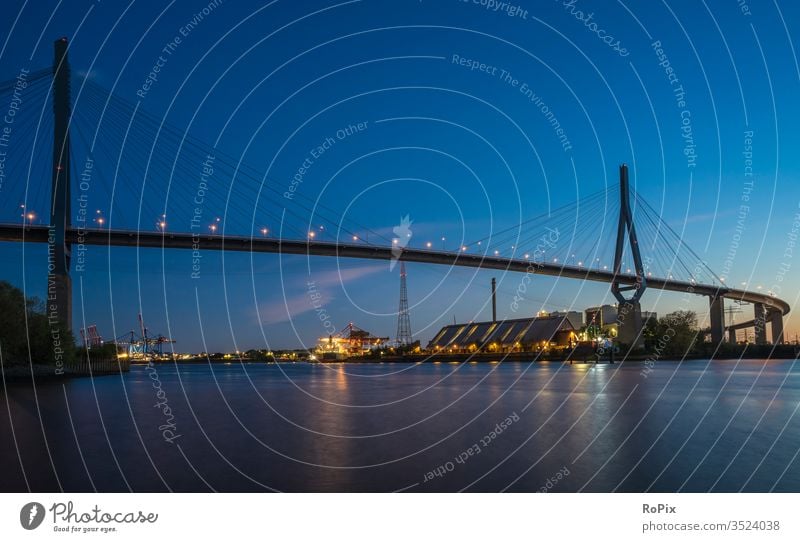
x: 521, y: 334
x: 604, y: 318
x: 575, y: 317
x: 351, y: 341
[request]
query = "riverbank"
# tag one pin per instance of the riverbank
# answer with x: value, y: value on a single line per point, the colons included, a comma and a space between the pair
x: 725, y: 352
x: 578, y: 355
x: 23, y: 372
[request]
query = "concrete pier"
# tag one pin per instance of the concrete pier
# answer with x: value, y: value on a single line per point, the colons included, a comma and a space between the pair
x: 776, y: 323
x: 717, y: 316
x: 629, y: 324
x: 760, y: 323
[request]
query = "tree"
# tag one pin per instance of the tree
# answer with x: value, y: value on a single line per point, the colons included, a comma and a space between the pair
x: 650, y: 334
x: 39, y: 341
x: 677, y: 333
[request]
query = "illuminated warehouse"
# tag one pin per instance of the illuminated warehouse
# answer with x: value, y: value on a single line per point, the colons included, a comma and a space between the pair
x: 522, y: 334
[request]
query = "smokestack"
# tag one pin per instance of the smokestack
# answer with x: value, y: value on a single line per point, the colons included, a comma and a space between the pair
x: 494, y: 300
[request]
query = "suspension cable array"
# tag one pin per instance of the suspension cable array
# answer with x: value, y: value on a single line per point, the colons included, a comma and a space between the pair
x: 141, y: 173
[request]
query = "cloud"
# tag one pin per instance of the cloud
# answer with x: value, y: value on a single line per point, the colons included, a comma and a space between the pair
x: 280, y: 310
x: 288, y: 307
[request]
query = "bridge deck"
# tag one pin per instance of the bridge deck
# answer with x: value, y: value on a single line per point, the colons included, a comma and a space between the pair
x: 143, y: 239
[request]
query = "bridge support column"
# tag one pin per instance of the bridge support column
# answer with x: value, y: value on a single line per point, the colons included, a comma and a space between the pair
x: 760, y: 323
x: 717, y: 317
x: 731, y: 335
x: 629, y: 324
x: 776, y: 322
x: 629, y: 312
x: 59, y: 283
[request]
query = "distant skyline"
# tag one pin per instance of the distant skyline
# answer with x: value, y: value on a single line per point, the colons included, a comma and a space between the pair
x: 437, y: 113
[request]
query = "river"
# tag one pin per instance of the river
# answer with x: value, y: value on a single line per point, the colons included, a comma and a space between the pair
x: 691, y: 426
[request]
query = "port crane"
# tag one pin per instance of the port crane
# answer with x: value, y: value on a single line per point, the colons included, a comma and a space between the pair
x: 143, y: 346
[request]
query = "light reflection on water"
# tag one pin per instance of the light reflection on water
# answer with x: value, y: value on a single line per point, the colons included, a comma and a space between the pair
x: 693, y: 426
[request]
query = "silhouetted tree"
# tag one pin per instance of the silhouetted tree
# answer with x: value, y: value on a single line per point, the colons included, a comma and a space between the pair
x: 26, y: 333
x: 677, y: 332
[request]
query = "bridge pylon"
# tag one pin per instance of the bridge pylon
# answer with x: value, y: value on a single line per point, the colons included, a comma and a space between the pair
x: 59, y: 283
x: 716, y: 312
x: 776, y: 323
x: 760, y: 320
x: 629, y: 311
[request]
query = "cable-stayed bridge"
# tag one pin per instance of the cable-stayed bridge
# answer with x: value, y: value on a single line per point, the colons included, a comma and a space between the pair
x: 52, y: 113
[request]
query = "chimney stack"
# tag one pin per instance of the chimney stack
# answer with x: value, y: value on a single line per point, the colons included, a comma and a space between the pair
x: 494, y: 300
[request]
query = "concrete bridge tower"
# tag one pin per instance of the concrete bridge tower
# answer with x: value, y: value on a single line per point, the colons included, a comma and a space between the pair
x: 629, y: 311
x: 59, y: 283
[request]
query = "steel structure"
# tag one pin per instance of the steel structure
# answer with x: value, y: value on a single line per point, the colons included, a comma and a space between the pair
x: 403, y: 317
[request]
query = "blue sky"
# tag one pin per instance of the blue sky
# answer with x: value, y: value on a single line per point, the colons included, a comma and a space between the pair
x: 462, y: 152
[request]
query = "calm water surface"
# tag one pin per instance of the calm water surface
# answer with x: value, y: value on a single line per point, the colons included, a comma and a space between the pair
x: 695, y: 426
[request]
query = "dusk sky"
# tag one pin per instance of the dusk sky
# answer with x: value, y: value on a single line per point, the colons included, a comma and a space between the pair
x: 413, y: 131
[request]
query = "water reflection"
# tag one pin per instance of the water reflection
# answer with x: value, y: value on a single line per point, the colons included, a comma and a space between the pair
x: 693, y: 426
